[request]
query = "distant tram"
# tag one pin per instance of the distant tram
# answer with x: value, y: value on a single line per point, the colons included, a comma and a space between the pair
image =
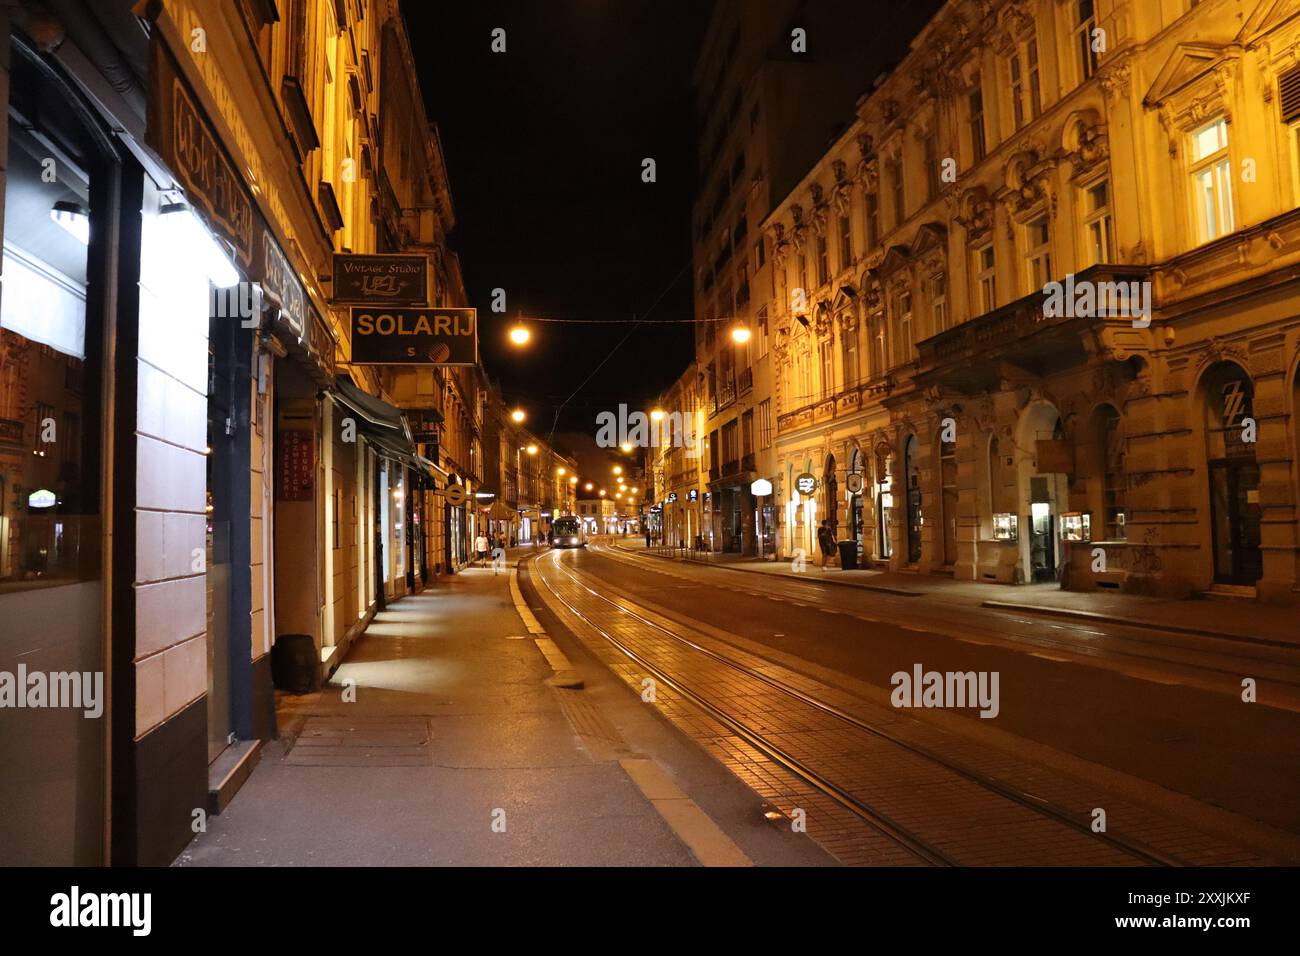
x: 568, y: 533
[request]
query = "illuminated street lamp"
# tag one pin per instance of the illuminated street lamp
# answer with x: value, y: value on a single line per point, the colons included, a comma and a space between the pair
x: 740, y: 335
x: 589, y: 486
x: 602, y: 492
x: 627, y: 447
x: 518, y: 415
x: 520, y: 335
x: 657, y: 415
x: 618, y: 469
x: 574, y: 481
x: 559, y: 471
x: 531, y: 449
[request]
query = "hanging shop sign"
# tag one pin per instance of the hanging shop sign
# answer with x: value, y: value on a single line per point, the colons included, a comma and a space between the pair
x: 760, y: 488
x: 297, y: 465
x: 380, y: 281
x: 693, y: 495
x: 806, y: 484
x: 183, y: 138
x: 672, y: 497
x: 279, y: 280
x: 42, y: 498
x: 854, y: 482
x: 414, y: 336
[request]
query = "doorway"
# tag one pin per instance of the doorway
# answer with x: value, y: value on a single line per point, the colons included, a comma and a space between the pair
x: 948, y: 482
x: 912, y: 470
x: 1233, y: 476
x: 1235, y: 524
x: 1042, y: 532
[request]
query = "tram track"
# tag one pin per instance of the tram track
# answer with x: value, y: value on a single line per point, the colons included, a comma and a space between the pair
x: 1125, y: 850
x: 1282, y: 663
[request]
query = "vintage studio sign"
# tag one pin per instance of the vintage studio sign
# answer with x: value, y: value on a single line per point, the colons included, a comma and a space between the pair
x: 414, y: 336
x: 376, y: 280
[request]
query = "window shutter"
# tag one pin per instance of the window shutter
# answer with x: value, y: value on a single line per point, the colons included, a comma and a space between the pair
x: 1288, y: 88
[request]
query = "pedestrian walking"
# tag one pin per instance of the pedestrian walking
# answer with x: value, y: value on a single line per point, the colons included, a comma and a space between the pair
x: 647, y: 537
x: 481, y: 546
x: 826, y: 541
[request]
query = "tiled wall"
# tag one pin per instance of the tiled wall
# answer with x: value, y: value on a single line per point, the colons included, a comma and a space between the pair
x: 171, y: 483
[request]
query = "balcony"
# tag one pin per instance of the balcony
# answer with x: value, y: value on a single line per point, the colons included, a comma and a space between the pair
x: 975, y: 355
x: 746, y: 382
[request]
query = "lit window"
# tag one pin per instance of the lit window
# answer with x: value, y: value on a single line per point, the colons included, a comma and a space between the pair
x: 828, y: 367
x: 904, y: 314
x: 1038, y: 255
x: 1212, y: 181
x: 1026, y: 94
x: 1096, y: 222
x: 849, y: 338
x: 882, y: 343
x: 939, y: 301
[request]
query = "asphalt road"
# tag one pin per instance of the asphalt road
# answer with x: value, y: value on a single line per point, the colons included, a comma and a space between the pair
x: 1167, y: 711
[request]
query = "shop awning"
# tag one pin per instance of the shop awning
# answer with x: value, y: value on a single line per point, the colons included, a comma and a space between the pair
x: 501, y: 512
x: 375, y: 411
x: 382, y: 423
x: 431, y: 469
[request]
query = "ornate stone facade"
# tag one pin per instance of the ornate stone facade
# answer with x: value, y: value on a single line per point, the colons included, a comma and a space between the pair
x: 1150, y: 148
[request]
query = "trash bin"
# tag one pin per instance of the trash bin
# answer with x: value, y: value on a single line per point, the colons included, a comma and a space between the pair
x: 295, y: 665
x: 848, y: 555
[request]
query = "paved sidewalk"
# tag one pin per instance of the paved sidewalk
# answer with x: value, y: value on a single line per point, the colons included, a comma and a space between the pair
x: 453, y: 723
x: 1212, y: 617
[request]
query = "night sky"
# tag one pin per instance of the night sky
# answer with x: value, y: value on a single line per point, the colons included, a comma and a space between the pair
x: 544, y: 145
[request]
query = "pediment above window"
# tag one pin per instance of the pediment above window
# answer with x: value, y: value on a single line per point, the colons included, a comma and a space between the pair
x: 929, y: 237
x: 1188, y: 64
x: 1268, y: 16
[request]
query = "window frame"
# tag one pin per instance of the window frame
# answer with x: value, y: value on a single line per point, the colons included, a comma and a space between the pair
x: 1038, y: 256
x: 986, y: 278
x: 1217, y: 166
x: 1092, y: 217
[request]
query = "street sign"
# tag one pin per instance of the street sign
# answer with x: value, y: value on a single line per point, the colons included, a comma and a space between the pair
x: 414, y: 336
x: 381, y: 281
x: 806, y: 483
x: 455, y: 495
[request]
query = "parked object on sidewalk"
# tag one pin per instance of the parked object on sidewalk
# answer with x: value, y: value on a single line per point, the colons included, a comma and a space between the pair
x: 295, y: 667
x: 848, y: 555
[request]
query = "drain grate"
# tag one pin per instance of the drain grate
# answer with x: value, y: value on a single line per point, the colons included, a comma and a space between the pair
x: 327, y: 741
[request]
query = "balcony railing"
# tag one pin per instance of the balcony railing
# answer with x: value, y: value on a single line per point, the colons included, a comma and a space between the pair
x: 746, y: 380
x: 1021, y: 333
